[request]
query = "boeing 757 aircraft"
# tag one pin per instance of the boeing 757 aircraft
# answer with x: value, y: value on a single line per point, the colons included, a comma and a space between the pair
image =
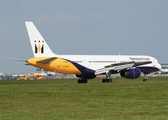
x: 88, y: 66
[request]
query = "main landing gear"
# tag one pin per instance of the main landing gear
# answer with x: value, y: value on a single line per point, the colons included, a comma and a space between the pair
x: 108, y: 79
x: 83, y: 80
x: 145, y: 78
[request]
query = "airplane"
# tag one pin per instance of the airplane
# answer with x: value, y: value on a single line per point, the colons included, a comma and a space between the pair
x: 164, y: 71
x: 88, y: 66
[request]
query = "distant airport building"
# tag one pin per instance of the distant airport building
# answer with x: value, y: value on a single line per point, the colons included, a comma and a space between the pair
x: 58, y: 75
x: 164, y: 69
x: 164, y: 65
x: 1, y: 74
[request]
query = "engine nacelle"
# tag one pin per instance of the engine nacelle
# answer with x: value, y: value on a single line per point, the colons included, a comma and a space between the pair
x: 131, y: 73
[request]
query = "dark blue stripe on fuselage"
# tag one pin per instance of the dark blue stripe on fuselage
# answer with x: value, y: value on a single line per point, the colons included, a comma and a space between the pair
x: 84, y: 70
x: 146, y: 69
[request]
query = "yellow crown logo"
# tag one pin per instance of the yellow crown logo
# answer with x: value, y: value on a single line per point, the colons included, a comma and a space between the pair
x: 40, y: 47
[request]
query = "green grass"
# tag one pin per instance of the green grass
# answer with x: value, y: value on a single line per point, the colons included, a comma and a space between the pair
x: 123, y: 99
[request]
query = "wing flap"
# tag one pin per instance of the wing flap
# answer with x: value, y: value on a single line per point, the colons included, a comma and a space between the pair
x: 114, y: 67
x: 141, y: 63
x: 120, y: 66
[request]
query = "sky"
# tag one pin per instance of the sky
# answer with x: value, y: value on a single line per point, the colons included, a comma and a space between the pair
x: 110, y: 27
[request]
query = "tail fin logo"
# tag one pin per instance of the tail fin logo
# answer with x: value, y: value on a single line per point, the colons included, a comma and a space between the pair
x: 39, y: 46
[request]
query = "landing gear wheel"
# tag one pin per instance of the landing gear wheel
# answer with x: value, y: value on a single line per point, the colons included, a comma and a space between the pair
x: 82, y: 80
x: 79, y: 80
x: 85, y: 81
x: 106, y: 80
x: 110, y: 80
x: 144, y: 80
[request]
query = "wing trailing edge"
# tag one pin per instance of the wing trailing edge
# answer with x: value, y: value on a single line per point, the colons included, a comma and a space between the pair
x: 120, y: 66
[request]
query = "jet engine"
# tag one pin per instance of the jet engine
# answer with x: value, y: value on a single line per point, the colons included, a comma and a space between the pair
x: 132, y: 73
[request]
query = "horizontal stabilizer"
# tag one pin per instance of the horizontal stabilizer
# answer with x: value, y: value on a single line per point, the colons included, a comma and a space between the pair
x: 27, y: 64
x: 47, y: 61
x: 13, y: 59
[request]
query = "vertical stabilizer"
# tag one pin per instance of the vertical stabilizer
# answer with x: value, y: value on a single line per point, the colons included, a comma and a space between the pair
x: 38, y: 44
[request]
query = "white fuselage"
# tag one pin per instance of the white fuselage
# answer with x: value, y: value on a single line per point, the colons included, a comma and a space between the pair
x: 95, y: 62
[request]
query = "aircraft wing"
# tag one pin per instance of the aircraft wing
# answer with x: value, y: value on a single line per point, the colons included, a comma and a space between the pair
x: 47, y: 61
x: 120, y: 66
x: 141, y: 63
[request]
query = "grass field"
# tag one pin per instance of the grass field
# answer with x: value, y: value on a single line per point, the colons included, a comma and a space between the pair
x: 122, y: 99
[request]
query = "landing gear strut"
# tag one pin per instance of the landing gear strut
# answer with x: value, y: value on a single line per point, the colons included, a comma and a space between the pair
x: 145, y: 78
x: 108, y: 79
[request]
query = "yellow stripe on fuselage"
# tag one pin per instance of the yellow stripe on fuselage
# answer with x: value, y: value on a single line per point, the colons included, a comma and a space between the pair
x: 58, y: 65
